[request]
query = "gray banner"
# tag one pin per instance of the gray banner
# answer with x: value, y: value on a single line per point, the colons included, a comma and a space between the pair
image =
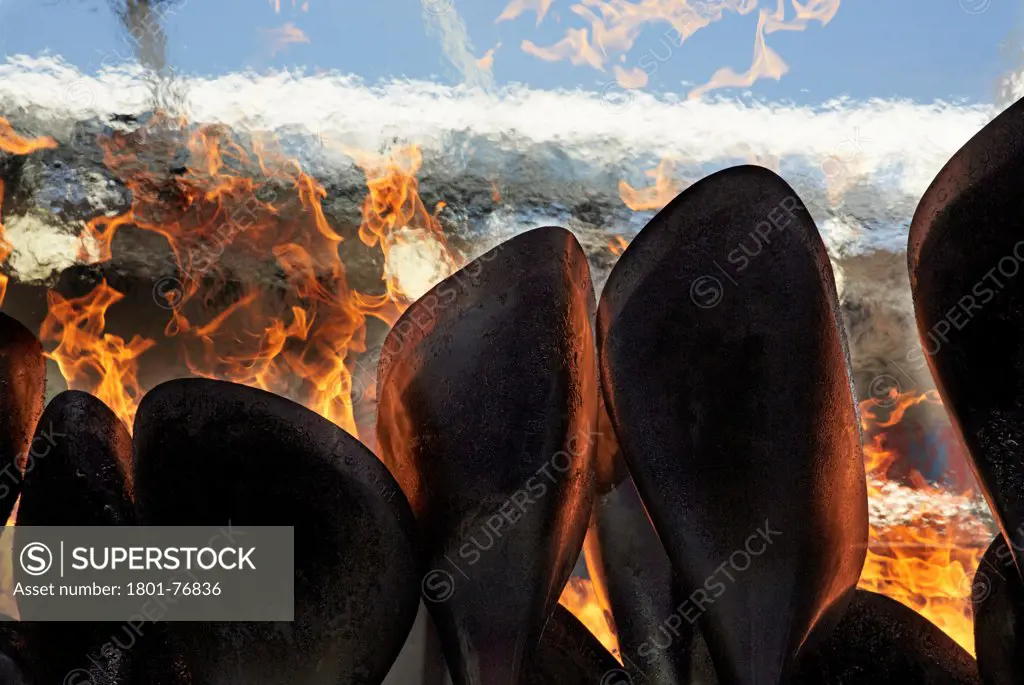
x: 159, y: 573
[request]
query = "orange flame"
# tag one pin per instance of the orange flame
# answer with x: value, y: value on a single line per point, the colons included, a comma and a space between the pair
x: 300, y: 339
x: 211, y: 207
x: 925, y: 564
x: 89, y: 359
x: 13, y: 143
x: 617, y: 244
x: 395, y: 218
x: 666, y: 186
x: 580, y: 597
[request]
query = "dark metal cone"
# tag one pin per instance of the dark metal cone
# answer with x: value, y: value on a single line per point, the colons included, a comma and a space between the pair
x: 881, y: 642
x: 210, y: 453
x: 654, y: 621
x: 78, y: 470
x: 725, y: 371
x: 966, y: 248
x: 998, y: 599
x: 632, y: 573
x: 487, y: 417
x: 22, y: 387
x: 569, y: 654
x: 75, y: 475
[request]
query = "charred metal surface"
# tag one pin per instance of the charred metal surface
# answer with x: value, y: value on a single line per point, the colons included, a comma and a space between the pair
x: 569, y: 654
x: 78, y: 471
x: 998, y: 599
x: 656, y: 634
x: 631, y: 571
x: 487, y: 417
x: 22, y: 386
x: 966, y: 246
x: 209, y: 452
x: 75, y: 475
x: 724, y: 366
x: 881, y: 642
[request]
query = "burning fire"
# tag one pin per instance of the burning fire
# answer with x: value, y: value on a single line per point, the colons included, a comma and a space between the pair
x: 89, y: 357
x: 926, y: 564
x: 395, y: 218
x: 14, y: 144
x: 667, y: 184
x: 580, y: 597
x: 617, y: 245
x: 235, y: 202
x: 301, y: 337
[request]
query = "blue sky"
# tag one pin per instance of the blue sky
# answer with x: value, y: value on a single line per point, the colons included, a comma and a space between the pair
x: 918, y: 49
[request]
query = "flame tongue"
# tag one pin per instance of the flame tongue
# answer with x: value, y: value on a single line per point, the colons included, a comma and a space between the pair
x: 89, y: 358
x: 11, y: 142
x: 395, y: 218
x: 581, y: 598
x: 667, y: 185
